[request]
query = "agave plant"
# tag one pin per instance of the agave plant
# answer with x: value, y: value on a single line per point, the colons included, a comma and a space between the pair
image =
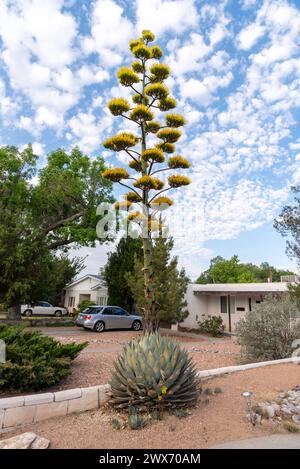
x: 153, y: 371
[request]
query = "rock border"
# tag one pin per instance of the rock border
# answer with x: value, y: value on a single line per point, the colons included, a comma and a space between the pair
x: 24, y: 410
x: 233, y: 369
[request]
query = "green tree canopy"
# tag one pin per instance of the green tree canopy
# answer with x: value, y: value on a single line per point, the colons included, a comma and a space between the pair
x: 120, y: 263
x: 38, y: 216
x: 233, y: 271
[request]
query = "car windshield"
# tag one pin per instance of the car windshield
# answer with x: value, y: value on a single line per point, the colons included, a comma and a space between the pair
x: 91, y: 310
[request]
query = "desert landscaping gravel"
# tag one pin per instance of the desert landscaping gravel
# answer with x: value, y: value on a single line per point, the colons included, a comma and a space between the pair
x: 94, y: 364
x: 222, y: 419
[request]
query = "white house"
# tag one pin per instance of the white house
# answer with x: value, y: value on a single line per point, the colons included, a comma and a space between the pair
x: 90, y: 287
x: 228, y: 300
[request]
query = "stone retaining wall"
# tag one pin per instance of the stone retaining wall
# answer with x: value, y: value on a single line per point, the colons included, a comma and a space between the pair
x: 21, y: 410
x: 233, y: 369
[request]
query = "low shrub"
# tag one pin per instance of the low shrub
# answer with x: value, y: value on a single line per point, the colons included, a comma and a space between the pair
x: 34, y: 361
x: 213, y: 325
x: 268, y: 332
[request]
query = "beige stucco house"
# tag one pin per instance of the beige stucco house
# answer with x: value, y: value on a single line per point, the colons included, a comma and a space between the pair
x: 229, y: 300
x: 90, y: 287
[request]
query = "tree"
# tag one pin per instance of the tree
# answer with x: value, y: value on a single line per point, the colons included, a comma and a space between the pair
x: 119, y: 264
x: 170, y: 283
x: 288, y: 225
x: 146, y: 80
x: 38, y: 219
x: 233, y: 271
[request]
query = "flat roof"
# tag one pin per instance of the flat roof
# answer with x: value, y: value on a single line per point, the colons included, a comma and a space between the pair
x: 240, y: 287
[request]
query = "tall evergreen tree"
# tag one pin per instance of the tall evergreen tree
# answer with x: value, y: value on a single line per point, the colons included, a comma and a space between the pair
x: 170, y: 284
x: 146, y: 78
x: 119, y: 264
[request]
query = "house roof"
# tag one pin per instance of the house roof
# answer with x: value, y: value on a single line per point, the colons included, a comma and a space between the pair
x: 240, y: 287
x: 80, y: 279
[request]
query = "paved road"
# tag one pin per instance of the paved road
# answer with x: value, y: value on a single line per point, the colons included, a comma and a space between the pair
x: 61, y: 331
x: 280, y: 441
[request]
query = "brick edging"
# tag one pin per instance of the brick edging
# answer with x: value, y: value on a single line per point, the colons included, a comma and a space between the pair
x: 21, y: 410
x: 233, y: 369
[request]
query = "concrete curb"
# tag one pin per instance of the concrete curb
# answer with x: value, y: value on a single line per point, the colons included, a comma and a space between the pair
x: 233, y: 369
x: 21, y: 410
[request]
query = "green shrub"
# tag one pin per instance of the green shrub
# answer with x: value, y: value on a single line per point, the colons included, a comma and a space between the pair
x: 214, y: 326
x: 267, y: 332
x: 34, y: 361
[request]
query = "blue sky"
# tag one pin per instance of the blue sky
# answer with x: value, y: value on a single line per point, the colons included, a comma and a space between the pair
x: 236, y: 77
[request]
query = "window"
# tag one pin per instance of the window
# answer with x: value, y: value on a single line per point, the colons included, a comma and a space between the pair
x: 232, y: 304
x: 240, y: 308
x: 250, y: 304
x: 109, y: 311
x: 223, y: 300
x: 120, y: 312
x: 257, y: 301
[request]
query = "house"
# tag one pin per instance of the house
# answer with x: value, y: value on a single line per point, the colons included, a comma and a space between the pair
x: 228, y: 300
x: 90, y: 287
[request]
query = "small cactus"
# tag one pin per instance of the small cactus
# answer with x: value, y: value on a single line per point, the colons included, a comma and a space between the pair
x: 217, y: 390
x: 116, y: 424
x: 136, y: 421
x: 207, y: 391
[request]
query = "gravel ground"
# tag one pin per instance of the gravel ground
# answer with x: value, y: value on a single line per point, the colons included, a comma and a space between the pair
x: 222, y: 419
x: 94, y: 364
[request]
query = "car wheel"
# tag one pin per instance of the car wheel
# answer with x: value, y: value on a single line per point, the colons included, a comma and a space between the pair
x: 28, y: 312
x: 99, y: 326
x: 136, y: 325
x: 57, y: 314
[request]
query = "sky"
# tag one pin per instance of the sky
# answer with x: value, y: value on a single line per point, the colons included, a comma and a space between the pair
x: 235, y: 73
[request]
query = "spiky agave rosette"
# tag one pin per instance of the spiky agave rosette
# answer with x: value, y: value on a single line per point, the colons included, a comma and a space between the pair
x: 153, y: 371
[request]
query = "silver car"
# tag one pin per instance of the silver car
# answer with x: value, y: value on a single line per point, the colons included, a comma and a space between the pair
x: 43, y: 308
x: 99, y: 318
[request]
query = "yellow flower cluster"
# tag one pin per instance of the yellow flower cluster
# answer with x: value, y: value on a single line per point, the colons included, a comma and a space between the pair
x: 167, y: 104
x: 148, y: 182
x: 127, y: 76
x: 159, y: 71
x: 118, y: 106
x: 169, y: 135
x: 157, y: 91
x: 178, y: 162
x: 162, y: 200
x: 121, y: 141
x: 141, y: 113
x: 153, y: 154
x: 177, y: 181
x: 174, y: 120
x: 115, y: 174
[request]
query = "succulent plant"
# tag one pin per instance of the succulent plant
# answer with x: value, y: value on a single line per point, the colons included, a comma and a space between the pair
x: 116, y: 424
x: 136, y: 421
x: 153, y: 371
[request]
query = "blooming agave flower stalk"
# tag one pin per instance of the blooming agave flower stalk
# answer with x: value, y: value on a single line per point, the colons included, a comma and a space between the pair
x: 146, y: 79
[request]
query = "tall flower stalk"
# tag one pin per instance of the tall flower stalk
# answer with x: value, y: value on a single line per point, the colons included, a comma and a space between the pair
x: 146, y: 78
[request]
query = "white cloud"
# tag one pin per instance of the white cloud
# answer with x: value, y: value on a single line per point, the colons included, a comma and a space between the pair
x: 161, y: 16
x: 250, y: 35
x: 110, y: 33
x: 86, y: 130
